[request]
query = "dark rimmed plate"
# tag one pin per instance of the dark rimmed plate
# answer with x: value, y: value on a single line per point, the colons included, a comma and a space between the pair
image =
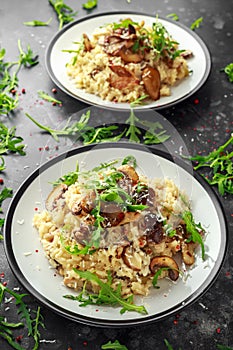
x: 26, y: 256
x: 56, y: 59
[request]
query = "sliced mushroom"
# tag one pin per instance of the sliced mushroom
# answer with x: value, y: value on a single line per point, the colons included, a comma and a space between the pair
x: 112, y: 213
x: 54, y: 196
x: 132, y: 259
x: 130, y: 172
x: 87, y: 43
x: 165, y: 261
x: 151, y: 80
x: 124, y: 78
x: 187, y: 250
x: 128, y: 55
x: 86, y: 204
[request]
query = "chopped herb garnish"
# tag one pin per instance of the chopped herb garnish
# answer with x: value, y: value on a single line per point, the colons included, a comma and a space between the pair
x: 229, y: 71
x: 36, y: 23
x: 220, y: 163
x: 196, y: 23
x: 65, y: 13
x: 90, y: 4
x: 48, y: 98
x: 106, y: 296
x: 114, y: 346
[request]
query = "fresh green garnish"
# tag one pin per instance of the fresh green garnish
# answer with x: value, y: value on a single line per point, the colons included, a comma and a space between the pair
x: 90, y: 4
x: 74, y: 250
x: 133, y: 131
x: 220, y: 164
x: 194, y: 230
x: 4, y: 194
x: 9, y: 142
x: 106, y: 296
x: 131, y: 160
x: 114, y: 346
x: 151, y: 136
x: 89, y: 134
x: 173, y: 16
x: 32, y: 324
x: 156, y: 276
x: 138, y: 101
x: 69, y: 178
x: 223, y: 347
x: 37, y: 23
x: 229, y: 71
x: 1, y: 237
x: 9, y: 81
x: 168, y: 345
x: 48, y: 98
x: 65, y: 13
x: 196, y: 23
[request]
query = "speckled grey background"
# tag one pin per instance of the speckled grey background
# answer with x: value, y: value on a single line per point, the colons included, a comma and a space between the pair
x: 203, y: 122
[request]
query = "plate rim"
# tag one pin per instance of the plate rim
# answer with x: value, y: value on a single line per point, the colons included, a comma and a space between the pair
x: 99, y: 322
x: 58, y: 34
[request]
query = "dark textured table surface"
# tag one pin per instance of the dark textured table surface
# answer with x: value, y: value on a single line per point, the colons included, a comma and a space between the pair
x: 203, y: 121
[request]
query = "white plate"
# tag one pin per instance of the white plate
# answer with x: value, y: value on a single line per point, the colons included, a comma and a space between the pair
x: 31, y: 267
x: 56, y: 59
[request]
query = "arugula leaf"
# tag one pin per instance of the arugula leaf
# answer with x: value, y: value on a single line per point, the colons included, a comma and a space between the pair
x: 169, y: 347
x: 1, y: 237
x: 4, y: 194
x: 114, y: 346
x: 24, y: 313
x: 223, y: 347
x: 229, y: 71
x: 220, y: 163
x: 8, y: 81
x: 90, y: 4
x: 174, y: 16
x: 132, y: 132
x: 75, y: 249
x: 196, y: 23
x: 9, y: 142
x: 107, y: 295
x: 69, y: 178
x: 36, y: 23
x: 73, y: 129
x: 26, y: 58
x: 194, y: 230
x: 65, y: 13
x: 48, y: 98
x: 130, y: 160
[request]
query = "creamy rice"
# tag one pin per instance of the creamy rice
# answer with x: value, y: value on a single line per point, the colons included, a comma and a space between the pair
x: 128, y: 248
x: 95, y: 68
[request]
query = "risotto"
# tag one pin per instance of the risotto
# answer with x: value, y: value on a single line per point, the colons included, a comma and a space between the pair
x: 114, y: 221
x: 126, y: 61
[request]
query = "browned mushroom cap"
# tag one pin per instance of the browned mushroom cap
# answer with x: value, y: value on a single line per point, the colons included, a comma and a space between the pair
x: 124, y: 78
x: 132, y: 259
x: 128, y: 55
x: 54, y: 196
x: 87, y: 43
x: 130, y: 172
x: 151, y: 80
x: 165, y: 261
